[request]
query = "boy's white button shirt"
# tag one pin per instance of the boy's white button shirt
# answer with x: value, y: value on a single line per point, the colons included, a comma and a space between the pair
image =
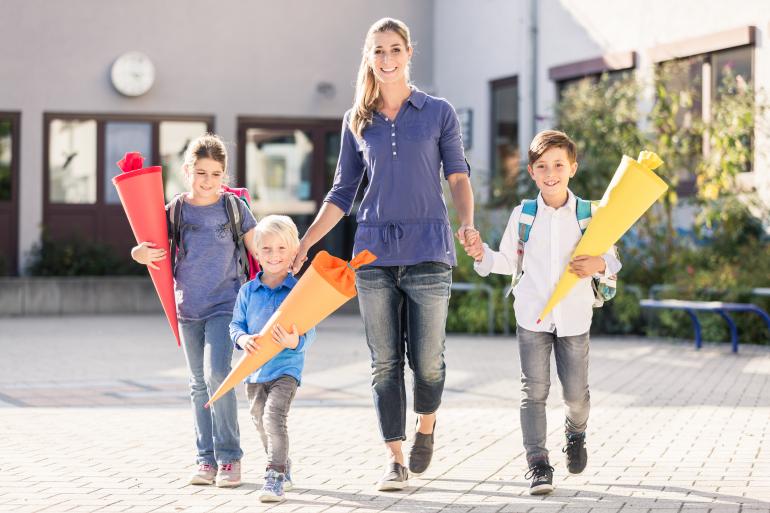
x: 552, y: 239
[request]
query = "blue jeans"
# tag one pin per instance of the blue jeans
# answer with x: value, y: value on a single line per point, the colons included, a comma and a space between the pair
x: 404, y: 310
x: 208, y: 351
x: 571, y: 355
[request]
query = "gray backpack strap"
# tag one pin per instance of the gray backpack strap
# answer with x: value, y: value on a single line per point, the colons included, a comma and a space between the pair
x: 174, y: 219
x: 234, y: 216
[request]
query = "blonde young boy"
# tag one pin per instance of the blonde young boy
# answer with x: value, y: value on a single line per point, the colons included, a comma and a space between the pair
x: 554, y: 233
x: 271, y: 389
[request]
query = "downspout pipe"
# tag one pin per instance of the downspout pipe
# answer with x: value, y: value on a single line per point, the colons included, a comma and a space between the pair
x: 534, y: 61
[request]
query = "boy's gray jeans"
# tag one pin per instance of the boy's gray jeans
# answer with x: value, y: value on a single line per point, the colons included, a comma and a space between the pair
x: 572, y: 368
x: 269, y: 403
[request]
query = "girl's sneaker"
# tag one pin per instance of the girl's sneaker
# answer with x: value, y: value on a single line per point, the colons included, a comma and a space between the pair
x: 204, y: 475
x: 229, y: 475
x: 272, y: 490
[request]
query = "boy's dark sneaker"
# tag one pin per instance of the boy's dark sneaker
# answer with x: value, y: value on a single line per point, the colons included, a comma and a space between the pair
x: 396, y: 478
x: 541, y: 474
x: 575, y: 449
x: 421, y: 452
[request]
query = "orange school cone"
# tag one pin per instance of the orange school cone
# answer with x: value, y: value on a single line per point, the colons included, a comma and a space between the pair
x: 141, y: 193
x: 632, y: 190
x: 327, y: 284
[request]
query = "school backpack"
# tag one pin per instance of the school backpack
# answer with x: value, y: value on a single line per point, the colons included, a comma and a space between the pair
x: 604, y: 287
x: 248, y: 267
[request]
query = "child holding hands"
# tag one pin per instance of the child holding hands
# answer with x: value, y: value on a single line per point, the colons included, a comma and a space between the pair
x: 554, y: 233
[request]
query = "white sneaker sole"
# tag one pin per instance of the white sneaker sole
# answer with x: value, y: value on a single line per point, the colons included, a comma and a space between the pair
x: 199, y: 481
x: 228, y: 484
x: 542, y: 489
x: 389, y: 486
x: 271, y: 498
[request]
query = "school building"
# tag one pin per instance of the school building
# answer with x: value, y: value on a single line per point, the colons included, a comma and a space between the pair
x: 84, y: 81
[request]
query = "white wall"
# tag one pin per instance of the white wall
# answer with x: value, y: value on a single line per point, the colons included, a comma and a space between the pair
x: 475, y: 42
x: 225, y: 58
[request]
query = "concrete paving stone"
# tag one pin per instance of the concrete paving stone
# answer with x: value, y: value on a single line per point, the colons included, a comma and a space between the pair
x: 670, y: 429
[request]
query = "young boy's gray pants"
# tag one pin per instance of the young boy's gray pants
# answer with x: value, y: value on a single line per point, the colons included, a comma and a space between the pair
x: 572, y: 368
x: 269, y: 403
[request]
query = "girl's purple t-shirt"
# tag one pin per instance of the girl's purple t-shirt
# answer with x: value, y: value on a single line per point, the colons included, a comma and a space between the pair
x: 206, y: 282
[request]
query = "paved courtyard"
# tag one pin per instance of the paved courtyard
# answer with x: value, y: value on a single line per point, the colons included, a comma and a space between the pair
x: 94, y: 416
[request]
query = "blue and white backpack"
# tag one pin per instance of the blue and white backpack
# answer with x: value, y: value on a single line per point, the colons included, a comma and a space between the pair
x: 604, y: 287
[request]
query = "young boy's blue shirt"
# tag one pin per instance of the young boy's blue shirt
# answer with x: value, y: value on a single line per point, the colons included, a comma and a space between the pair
x: 255, y: 304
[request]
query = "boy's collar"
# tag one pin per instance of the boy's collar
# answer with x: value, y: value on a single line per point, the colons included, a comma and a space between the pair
x: 287, y: 282
x: 571, y: 202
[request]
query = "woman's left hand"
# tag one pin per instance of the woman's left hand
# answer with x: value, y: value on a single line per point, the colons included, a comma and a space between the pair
x: 287, y: 339
x: 461, y: 232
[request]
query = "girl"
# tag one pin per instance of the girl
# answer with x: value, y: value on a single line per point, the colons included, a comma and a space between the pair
x: 206, y: 283
x: 402, y: 139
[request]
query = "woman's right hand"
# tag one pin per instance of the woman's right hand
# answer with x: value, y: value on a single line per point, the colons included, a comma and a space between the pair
x: 147, y: 253
x: 301, y: 257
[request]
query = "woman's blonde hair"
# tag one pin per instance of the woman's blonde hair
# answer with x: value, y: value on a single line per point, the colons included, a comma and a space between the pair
x: 207, y: 146
x: 367, y: 90
x: 281, y: 226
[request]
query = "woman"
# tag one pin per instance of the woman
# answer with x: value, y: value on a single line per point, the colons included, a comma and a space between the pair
x: 400, y: 137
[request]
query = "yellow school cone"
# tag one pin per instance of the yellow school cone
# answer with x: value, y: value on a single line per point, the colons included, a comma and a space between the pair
x: 632, y: 190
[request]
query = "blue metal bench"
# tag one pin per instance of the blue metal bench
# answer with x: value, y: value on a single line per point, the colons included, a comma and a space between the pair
x: 708, y: 306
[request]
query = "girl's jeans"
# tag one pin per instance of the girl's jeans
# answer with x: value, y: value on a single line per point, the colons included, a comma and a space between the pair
x: 572, y: 368
x: 208, y: 350
x: 404, y: 310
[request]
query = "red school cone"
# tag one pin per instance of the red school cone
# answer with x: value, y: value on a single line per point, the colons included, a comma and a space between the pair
x: 141, y: 193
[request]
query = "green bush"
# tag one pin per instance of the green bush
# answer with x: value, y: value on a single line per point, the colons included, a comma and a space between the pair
x: 77, y: 257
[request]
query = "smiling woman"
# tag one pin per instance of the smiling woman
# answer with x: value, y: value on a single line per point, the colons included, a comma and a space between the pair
x: 403, y: 141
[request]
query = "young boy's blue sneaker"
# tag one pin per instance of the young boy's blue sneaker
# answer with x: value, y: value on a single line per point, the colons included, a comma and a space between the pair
x: 575, y: 451
x: 272, y: 490
x: 288, y: 484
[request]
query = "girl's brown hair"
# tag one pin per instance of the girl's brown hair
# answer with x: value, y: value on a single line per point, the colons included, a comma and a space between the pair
x: 208, y: 146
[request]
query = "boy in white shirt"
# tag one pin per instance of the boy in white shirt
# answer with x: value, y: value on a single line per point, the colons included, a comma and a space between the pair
x: 554, y: 233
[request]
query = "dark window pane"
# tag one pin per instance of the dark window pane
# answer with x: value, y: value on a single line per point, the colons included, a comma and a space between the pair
x: 6, y: 147
x: 731, y: 69
x: 72, y: 161
x: 506, y: 157
x: 122, y: 137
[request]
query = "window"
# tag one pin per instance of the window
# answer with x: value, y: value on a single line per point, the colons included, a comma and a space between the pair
x: 697, y: 83
x: 278, y: 170
x: 288, y: 166
x: 9, y: 187
x: 81, y: 152
x: 175, y: 136
x: 6, y: 158
x: 505, y: 161
x: 72, y: 161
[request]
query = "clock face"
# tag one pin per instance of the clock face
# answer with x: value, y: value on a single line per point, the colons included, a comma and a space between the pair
x: 133, y: 74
